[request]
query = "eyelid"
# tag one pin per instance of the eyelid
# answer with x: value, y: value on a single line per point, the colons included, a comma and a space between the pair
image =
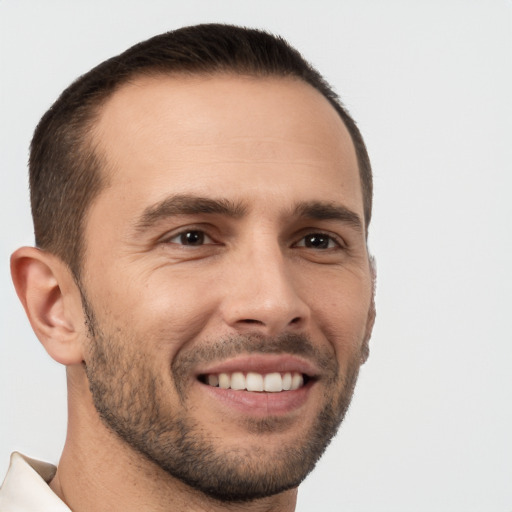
x: 207, y: 239
x: 336, y: 239
x: 331, y: 244
x: 176, y: 233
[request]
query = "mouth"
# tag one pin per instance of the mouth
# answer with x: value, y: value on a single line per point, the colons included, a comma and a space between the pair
x: 260, y: 385
x: 273, y: 382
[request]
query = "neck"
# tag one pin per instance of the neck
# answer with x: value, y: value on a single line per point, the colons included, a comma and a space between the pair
x: 99, y: 471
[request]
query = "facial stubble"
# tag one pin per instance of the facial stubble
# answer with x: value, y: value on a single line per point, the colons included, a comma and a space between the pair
x: 130, y: 399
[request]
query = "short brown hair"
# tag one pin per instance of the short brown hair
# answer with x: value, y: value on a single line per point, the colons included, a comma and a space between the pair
x: 65, y: 170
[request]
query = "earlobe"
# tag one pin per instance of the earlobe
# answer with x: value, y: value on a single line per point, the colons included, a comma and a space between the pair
x: 48, y: 293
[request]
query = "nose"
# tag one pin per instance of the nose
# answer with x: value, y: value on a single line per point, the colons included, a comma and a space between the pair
x: 262, y: 294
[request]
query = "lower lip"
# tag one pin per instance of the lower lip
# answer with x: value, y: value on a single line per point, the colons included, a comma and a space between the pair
x: 261, y: 403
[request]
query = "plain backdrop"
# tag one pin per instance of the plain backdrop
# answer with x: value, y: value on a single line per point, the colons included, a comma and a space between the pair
x: 430, y: 84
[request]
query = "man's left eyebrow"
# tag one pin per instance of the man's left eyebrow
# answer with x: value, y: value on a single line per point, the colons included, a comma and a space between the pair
x: 188, y: 205
x: 318, y: 210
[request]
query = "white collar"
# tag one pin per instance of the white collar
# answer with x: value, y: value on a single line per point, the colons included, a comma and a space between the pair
x: 26, y: 489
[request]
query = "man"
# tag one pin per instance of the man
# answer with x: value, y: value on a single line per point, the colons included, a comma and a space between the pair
x: 201, y: 207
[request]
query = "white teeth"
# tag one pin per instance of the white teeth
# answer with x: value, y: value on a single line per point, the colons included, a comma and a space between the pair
x: 271, y: 382
x: 287, y: 381
x: 297, y: 381
x: 224, y: 381
x: 254, y: 382
x: 237, y: 380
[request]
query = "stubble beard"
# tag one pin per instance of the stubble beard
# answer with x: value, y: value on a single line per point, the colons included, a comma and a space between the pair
x: 128, y: 397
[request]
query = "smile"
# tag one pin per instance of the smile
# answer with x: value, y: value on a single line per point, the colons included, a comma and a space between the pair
x: 259, y: 385
x: 274, y: 382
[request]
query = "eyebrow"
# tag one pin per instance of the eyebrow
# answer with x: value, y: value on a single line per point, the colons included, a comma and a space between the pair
x: 181, y: 204
x: 319, y: 210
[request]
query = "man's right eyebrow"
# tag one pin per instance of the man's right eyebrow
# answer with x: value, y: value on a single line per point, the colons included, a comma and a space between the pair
x: 182, y: 204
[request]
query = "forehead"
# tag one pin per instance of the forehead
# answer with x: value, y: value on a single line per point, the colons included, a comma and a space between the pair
x: 231, y: 134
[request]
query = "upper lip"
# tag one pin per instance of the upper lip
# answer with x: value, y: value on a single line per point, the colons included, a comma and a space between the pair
x: 262, y: 363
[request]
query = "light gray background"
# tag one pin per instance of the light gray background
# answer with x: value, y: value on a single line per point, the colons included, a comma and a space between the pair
x: 430, y: 84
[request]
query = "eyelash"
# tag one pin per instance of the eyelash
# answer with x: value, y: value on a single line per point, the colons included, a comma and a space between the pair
x: 199, y: 236
x: 332, y: 242
x: 200, y: 232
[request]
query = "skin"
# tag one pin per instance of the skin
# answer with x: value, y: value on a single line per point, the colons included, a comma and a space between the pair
x: 267, y: 146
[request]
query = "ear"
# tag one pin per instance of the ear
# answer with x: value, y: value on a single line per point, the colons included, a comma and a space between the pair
x: 365, y: 351
x: 52, y: 302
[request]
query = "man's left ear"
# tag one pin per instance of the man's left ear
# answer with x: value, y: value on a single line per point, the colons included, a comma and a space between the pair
x: 365, y: 351
x: 52, y: 302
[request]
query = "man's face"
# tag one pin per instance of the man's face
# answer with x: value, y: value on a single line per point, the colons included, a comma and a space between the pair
x: 226, y: 252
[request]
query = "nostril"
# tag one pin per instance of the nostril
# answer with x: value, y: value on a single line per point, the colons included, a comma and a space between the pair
x: 296, y: 320
x: 252, y: 321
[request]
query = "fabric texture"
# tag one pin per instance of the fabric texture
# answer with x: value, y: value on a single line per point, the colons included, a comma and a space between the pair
x: 26, y: 489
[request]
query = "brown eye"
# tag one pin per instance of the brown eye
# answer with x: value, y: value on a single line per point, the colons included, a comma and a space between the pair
x: 318, y: 241
x: 191, y: 238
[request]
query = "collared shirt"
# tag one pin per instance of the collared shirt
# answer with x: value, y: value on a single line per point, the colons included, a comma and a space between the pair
x: 26, y: 489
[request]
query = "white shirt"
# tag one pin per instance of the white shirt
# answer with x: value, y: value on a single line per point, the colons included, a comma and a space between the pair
x: 26, y: 489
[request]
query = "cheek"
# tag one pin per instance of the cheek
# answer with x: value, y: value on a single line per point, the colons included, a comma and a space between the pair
x: 164, y: 310
x: 340, y: 309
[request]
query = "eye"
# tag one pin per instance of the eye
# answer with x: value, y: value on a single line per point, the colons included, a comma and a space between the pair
x: 191, y: 237
x: 318, y: 241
